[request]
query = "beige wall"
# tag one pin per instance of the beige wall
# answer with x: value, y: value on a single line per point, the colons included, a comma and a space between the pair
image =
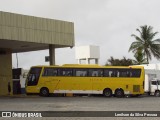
x: 5, y: 72
x: 35, y: 29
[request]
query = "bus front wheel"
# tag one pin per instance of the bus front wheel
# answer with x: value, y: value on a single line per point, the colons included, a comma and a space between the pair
x: 44, y: 92
x: 157, y: 93
x: 107, y: 92
x: 119, y: 93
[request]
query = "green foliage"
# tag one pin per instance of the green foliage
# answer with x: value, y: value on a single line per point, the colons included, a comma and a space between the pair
x: 119, y: 62
x: 139, y: 58
x: 146, y: 44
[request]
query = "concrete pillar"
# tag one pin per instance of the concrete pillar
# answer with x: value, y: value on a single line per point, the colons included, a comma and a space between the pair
x: 87, y: 61
x: 96, y: 61
x: 52, y: 54
x: 5, y: 71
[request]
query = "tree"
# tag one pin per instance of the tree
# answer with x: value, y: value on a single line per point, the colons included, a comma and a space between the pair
x: 119, y: 62
x: 146, y: 43
x: 139, y: 58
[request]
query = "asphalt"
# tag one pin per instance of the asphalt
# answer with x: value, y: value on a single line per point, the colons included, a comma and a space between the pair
x: 80, y: 103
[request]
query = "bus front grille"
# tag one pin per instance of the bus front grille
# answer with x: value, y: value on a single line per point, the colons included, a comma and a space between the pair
x: 136, y: 88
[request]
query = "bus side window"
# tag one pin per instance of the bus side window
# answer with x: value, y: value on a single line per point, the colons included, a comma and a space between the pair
x: 69, y: 73
x: 50, y: 72
x: 80, y: 72
x: 135, y: 72
x: 66, y: 72
x: 118, y: 73
x: 63, y: 73
x: 106, y: 73
x: 100, y: 73
x: 123, y: 73
x: 111, y: 74
x: 115, y: 73
x: 45, y: 72
x: 95, y: 72
x: 85, y: 74
x: 92, y: 73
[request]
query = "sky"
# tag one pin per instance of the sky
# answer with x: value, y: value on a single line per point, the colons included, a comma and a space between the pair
x: 104, y: 23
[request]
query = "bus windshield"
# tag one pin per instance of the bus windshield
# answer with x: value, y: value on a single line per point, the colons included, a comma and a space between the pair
x: 33, y: 76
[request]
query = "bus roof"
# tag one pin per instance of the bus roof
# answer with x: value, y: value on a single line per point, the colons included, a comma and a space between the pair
x: 87, y: 66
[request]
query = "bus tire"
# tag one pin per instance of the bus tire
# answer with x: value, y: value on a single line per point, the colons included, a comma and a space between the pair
x: 119, y: 93
x: 44, y: 92
x: 157, y: 93
x: 107, y: 92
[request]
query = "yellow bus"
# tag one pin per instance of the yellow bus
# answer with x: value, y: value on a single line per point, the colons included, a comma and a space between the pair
x: 86, y: 79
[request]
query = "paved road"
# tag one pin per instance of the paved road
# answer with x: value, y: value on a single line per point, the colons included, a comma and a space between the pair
x: 36, y: 103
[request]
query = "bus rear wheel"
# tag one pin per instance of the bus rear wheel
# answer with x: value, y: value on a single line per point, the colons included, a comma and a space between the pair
x: 119, y: 93
x: 44, y: 92
x: 107, y: 92
x: 157, y: 93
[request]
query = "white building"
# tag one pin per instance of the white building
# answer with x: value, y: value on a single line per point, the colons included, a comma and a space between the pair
x: 152, y: 71
x: 151, y: 66
x: 87, y: 53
